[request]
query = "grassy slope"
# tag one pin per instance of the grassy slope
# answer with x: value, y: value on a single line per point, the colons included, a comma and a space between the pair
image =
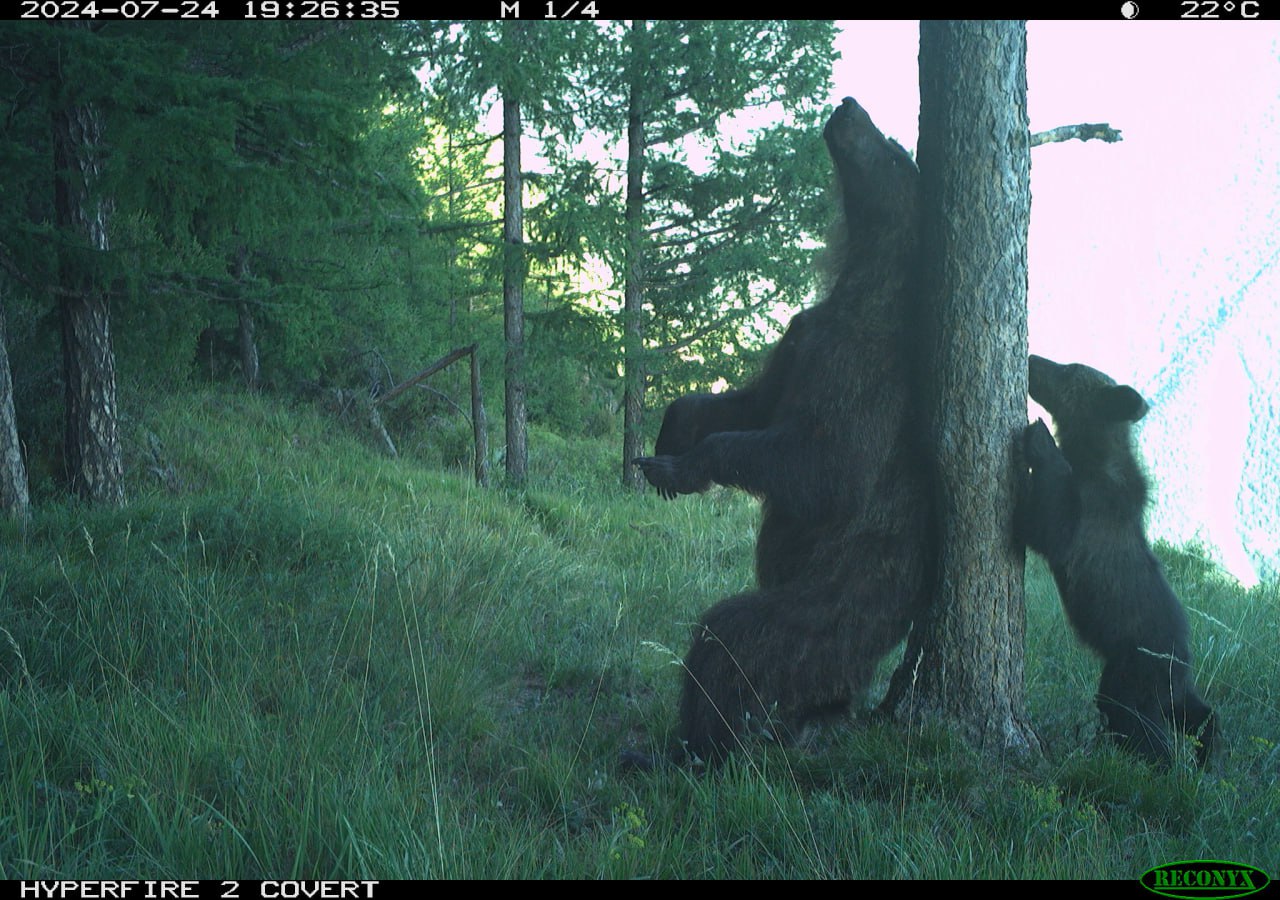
x: 316, y: 662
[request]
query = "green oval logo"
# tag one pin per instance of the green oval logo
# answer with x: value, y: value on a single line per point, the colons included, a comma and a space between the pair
x: 1193, y: 879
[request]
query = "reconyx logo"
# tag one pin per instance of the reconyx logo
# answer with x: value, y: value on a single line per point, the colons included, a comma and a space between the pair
x: 1209, y: 878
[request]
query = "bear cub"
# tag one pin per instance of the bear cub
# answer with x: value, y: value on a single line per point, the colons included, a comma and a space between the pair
x: 1082, y: 508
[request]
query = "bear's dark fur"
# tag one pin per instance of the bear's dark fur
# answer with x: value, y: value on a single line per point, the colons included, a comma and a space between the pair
x: 784, y: 544
x: 831, y: 438
x: 1082, y: 509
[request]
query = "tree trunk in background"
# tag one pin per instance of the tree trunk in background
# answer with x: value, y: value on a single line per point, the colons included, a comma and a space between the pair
x: 248, y: 346
x: 513, y: 272
x: 14, y: 499
x: 964, y: 663
x: 245, y: 329
x: 479, y: 422
x: 92, y: 448
x: 633, y: 379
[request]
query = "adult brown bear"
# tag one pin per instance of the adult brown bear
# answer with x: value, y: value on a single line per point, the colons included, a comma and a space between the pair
x: 832, y: 438
x: 1082, y: 508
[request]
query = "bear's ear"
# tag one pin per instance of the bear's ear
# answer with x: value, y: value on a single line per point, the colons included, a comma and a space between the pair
x: 1121, y: 403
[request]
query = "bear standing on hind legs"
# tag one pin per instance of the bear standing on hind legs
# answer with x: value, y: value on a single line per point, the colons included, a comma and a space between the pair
x: 1082, y: 509
x: 783, y: 544
x: 832, y: 439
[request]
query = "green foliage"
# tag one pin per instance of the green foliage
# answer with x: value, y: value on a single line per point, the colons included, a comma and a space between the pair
x: 734, y: 184
x: 569, y: 363
x: 731, y: 215
x: 286, y: 172
x: 311, y: 661
x: 270, y: 169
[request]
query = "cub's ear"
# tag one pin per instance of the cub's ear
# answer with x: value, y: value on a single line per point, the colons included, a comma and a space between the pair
x: 1121, y: 403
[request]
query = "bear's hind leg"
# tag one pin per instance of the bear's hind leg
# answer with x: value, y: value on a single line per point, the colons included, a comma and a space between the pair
x: 1132, y: 712
x: 768, y: 663
x: 1195, y: 718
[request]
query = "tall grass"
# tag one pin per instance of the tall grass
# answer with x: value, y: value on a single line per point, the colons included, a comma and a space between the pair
x: 302, y: 659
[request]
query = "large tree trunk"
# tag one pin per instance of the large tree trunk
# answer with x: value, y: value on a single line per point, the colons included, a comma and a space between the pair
x: 513, y: 269
x: 633, y: 380
x: 14, y: 499
x: 92, y: 449
x: 964, y: 663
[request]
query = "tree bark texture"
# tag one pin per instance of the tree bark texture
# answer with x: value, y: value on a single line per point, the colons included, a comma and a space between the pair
x: 92, y: 448
x: 513, y: 270
x: 479, y: 423
x: 633, y: 381
x: 248, y: 345
x: 965, y: 662
x: 245, y: 326
x: 14, y: 498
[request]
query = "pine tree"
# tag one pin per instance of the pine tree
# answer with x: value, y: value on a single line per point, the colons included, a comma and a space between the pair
x: 706, y: 250
x: 258, y: 179
x: 524, y: 68
x: 14, y: 498
x: 964, y: 663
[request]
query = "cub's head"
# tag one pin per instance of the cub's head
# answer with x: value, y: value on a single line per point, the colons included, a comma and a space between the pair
x: 1082, y: 399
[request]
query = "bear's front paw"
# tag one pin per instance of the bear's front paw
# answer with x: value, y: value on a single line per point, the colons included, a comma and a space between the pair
x: 669, y: 476
x: 1037, y: 443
